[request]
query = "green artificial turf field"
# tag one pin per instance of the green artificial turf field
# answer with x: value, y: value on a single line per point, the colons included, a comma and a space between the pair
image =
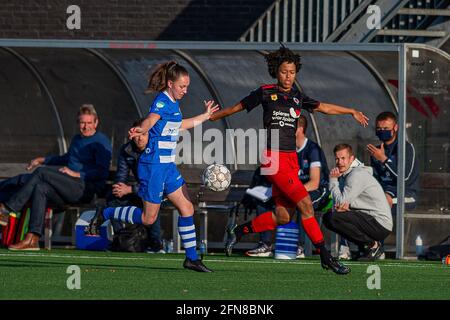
x: 107, y: 275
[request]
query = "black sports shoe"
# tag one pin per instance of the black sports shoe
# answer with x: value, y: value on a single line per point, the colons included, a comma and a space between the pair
x: 97, y: 221
x: 373, y: 253
x: 334, y: 264
x: 196, y: 265
x: 231, y: 239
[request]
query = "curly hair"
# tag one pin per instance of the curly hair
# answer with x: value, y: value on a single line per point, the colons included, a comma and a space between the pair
x: 276, y: 58
x: 162, y: 73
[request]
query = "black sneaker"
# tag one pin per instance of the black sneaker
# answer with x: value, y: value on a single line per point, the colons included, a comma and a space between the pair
x: 231, y: 239
x: 334, y: 264
x: 97, y: 221
x: 196, y: 265
x: 373, y: 253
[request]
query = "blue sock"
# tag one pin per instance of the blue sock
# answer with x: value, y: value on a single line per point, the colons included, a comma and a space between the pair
x: 130, y: 214
x: 186, y: 229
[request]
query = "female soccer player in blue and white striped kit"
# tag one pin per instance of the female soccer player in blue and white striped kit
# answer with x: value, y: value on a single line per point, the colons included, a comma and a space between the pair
x: 157, y: 171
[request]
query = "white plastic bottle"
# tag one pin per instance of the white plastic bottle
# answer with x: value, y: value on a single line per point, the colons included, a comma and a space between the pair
x: 419, y: 246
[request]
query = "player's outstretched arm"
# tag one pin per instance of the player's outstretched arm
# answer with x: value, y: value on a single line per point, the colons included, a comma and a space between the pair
x: 146, y: 125
x: 227, y: 112
x: 195, y: 121
x: 329, y: 108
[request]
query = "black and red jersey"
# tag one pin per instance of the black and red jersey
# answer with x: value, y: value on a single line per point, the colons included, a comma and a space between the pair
x: 281, y: 111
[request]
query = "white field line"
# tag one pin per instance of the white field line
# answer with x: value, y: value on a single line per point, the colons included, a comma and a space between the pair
x: 352, y: 263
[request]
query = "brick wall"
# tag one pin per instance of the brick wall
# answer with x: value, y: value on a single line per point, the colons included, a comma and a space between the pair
x: 131, y: 19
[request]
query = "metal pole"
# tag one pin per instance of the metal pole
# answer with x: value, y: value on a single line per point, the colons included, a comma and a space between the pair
x: 325, y: 17
x: 301, y: 20
x: 285, y: 21
x: 277, y: 21
x: 269, y: 25
x: 260, y: 29
x: 401, y: 150
x: 293, y: 20
x: 335, y: 11
x: 318, y: 16
x: 310, y: 18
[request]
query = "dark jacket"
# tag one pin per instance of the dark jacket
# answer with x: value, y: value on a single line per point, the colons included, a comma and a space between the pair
x: 386, y: 173
x: 126, y: 163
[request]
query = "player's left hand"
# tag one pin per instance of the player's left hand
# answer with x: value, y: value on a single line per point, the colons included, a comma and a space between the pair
x: 361, y: 118
x: 69, y: 172
x: 210, y: 108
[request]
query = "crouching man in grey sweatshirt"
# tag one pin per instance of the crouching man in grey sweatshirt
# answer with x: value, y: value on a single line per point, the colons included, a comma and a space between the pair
x: 361, y: 212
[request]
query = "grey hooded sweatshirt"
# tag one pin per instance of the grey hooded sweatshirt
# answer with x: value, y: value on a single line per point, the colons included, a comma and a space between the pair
x: 361, y: 190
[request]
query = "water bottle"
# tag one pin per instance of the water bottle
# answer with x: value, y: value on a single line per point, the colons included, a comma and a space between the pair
x: 169, y: 246
x: 202, y: 249
x: 419, y: 246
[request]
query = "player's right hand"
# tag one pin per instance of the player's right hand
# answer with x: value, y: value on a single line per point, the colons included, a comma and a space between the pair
x: 134, y: 132
x: 35, y: 163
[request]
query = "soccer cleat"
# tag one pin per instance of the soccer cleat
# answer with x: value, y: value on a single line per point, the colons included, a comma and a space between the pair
x: 97, y: 221
x: 231, y: 239
x: 262, y: 250
x: 344, y: 253
x: 196, y: 265
x: 373, y: 253
x: 334, y: 265
x: 300, y: 253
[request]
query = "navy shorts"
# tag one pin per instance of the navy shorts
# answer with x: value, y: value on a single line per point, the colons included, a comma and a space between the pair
x: 157, y: 180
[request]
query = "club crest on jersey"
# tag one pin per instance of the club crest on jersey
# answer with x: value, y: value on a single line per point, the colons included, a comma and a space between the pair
x: 294, y: 113
x: 159, y: 104
x: 296, y: 100
x: 274, y: 97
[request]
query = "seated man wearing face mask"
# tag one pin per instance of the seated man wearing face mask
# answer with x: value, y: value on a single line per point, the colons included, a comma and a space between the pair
x: 384, y: 161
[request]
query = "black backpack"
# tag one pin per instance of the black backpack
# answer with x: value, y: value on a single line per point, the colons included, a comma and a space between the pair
x: 439, y: 251
x: 132, y: 238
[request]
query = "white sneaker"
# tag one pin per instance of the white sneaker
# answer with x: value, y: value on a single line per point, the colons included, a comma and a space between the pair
x: 261, y: 250
x: 382, y: 256
x: 344, y: 253
x: 300, y: 253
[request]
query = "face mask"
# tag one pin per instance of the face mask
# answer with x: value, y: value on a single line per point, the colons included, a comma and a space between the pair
x: 384, y: 135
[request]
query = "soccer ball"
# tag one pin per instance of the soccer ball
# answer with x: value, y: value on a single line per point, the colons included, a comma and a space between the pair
x: 216, y: 177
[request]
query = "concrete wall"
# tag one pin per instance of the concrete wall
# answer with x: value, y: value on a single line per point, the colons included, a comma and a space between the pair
x: 217, y: 20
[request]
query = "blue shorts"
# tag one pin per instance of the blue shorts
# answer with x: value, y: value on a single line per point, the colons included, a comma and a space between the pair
x: 157, y: 180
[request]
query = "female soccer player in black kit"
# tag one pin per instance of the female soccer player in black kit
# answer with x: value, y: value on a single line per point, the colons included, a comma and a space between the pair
x: 282, y: 104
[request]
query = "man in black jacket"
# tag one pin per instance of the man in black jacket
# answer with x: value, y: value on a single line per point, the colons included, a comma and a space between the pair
x: 125, y: 188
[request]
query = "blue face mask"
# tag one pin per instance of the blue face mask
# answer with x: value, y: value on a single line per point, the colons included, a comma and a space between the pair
x: 384, y: 135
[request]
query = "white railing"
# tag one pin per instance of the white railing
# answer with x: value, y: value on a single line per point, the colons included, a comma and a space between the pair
x: 304, y: 20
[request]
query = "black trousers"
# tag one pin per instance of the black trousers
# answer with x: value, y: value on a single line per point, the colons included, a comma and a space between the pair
x: 10, y: 186
x: 47, y: 186
x: 358, y: 227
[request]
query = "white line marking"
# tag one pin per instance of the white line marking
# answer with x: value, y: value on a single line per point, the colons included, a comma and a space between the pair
x: 250, y: 260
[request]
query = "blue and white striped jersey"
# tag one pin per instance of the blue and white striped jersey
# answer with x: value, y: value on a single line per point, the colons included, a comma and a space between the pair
x: 163, y: 136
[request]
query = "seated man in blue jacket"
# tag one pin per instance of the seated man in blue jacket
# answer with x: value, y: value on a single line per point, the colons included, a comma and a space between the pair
x: 125, y: 190
x: 68, y: 179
